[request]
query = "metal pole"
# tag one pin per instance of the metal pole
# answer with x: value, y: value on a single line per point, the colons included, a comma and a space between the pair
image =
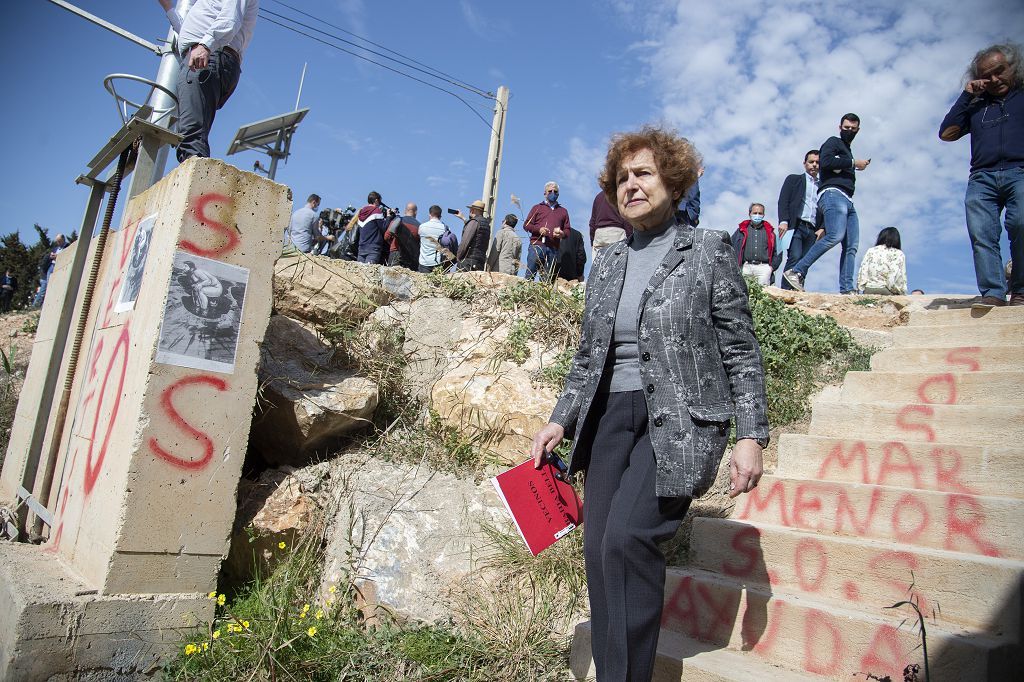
x: 31, y: 470
x: 276, y: 154
x: 107, y: 25
x: 492, y: 171
x: 302, y: 79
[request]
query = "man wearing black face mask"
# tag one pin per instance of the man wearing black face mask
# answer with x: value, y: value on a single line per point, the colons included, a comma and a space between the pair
x: 835, y: 202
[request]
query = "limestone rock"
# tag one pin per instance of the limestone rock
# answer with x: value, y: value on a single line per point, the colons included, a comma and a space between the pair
x: 505, y: 405
x: 406, y: 531
x: 320, y: 290
x: 306, y: 401
x: 433, y: 326
x: 277, y: 507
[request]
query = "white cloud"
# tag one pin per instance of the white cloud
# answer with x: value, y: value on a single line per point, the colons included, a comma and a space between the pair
x: 577, y: 173
x: 477, y: 24
x: 756, y: 86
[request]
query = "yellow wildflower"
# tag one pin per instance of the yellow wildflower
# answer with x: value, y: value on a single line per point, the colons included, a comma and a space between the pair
x: 319, y: 614
x: 302, y: 615
x: 332, y: 589
x: 281, y: 545
x: 305, y: 608
x: 245, y: 624
x: 311, y: 631
x: 330, y: 602
x: 212, y: 595
x: 221, y: 599
x: 190, y: 649
x: 216, y: 634
x: 206, y: 646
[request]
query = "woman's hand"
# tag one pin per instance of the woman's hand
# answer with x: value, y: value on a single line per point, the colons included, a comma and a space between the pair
x: 545, y: 441
x: 745, y: 467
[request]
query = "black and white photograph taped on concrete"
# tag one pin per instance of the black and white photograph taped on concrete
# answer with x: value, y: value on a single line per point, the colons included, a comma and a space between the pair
x: 136, y: 265
x: 203, y: 314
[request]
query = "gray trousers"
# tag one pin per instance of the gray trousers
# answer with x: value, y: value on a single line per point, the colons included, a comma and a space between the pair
x: 200, y: 95
x: 624, y: 520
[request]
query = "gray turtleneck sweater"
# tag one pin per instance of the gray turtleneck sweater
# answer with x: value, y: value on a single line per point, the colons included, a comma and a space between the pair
x: 646, y: 251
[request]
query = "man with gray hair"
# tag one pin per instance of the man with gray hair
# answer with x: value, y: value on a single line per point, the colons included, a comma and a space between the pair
x: 546, y: 223
x: 991, y: 109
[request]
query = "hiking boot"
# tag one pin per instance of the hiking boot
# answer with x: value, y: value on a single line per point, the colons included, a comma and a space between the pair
x: 1016, y: 299
x: 795, y: 279
x: 989, y: 302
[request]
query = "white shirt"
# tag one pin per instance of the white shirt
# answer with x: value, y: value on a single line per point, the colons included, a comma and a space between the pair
x: 216, y: 23
x: 429, y: 256
x: 810, y: 209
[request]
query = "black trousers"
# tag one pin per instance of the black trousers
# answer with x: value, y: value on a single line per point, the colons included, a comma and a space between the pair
x: 200, y: 94
x: 624, y: 520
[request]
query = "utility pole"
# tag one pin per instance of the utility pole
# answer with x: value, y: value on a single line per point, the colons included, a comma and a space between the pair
x: 492, y: 172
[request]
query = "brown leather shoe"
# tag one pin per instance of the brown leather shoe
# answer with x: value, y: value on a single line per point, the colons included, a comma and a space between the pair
x: 1016, y: 299
x: 988, y: 302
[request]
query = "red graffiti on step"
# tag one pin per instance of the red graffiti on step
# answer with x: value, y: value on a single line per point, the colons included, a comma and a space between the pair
x: 172, y: 414
x: 229, y: 239
x: 94, y: 466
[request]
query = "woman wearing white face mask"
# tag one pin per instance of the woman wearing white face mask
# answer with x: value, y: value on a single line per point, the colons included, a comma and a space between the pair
x: 754, y: 243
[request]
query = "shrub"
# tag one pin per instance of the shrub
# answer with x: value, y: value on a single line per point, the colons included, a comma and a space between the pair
x: 801, y: 353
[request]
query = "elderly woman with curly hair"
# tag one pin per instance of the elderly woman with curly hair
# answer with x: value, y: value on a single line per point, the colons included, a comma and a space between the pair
x: 667, y: 359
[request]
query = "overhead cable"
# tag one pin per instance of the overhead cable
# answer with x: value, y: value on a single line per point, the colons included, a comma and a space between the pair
x: 383, y: 66
x: 437, y: 73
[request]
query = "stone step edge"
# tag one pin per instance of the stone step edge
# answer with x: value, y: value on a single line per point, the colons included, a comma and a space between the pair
x: 687, y: 657
x: 896, y: 406
x: 972, y: 560
x: 893, y: 488
x: 788, y: 450
x: 936, y: 632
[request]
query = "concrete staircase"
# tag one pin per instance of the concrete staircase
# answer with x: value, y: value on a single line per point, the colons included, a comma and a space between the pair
x: 910, y: 484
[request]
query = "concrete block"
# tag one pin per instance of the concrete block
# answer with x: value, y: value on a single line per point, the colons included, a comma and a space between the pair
x: 948, y: 388
x: 964, y: 358
x: 821, y: 638
x: 54, y: 626
x: 155, y: 448
x: 989, y: 526
x: 680, y: 658
x: 956, y: 590
x: 943, y: 467
x: 955, y: 336
x: 997, y: 425
x: 959, y: 316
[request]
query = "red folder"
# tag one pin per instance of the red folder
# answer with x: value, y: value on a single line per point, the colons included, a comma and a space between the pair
x: 543, y: 508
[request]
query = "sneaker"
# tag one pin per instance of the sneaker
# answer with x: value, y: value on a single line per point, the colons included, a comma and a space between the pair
x: 988, y: 302
x: 1016, y: 299
x: 795, y: 279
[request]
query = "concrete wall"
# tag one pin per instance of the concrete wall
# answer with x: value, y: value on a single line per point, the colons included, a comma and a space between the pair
x: 151, y: 452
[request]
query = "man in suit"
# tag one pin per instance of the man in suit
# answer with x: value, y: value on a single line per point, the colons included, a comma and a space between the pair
x: 798, y: 211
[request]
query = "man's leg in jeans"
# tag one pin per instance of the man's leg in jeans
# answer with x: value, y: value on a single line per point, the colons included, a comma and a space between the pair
x: 533, y: 256
x: 982, y: 205
x: 848, y: 257
x: 834, y: 207
x: 1013, y: 190
x: 798, y: 246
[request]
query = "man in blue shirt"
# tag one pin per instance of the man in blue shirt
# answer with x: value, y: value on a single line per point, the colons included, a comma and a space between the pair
x: 304, y: 227
x: 991, y: 109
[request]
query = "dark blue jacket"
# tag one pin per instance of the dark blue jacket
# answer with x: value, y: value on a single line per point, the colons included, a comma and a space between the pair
x: 689, y: 207
x: 836, y: 169
x: 996, y: 128
x: 791, y: 201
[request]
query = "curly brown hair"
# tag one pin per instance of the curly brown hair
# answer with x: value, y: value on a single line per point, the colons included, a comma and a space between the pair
x: 677, y: 159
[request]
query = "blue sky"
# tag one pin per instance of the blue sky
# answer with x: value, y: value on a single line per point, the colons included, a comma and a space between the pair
x: 754, y: 84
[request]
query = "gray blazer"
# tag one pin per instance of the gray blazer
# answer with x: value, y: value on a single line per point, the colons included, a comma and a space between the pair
x: 699, y: 361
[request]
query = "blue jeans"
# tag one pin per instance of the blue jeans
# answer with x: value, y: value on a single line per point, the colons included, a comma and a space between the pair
x: 988, y: 193
x: 803, y: 239
x: 841, y: 226
x: 541, y: 259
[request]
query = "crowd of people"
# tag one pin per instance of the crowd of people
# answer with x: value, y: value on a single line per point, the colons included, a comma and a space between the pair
x: 376, y: 233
